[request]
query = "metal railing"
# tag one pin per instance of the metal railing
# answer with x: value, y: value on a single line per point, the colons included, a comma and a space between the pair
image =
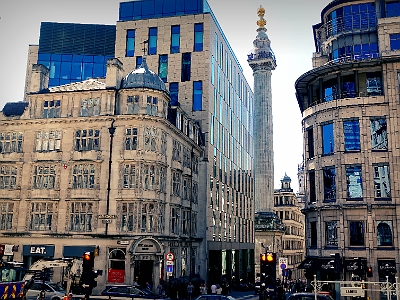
x: 358, y: 288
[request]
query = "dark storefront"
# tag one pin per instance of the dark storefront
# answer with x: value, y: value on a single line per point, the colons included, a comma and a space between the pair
x: 33, y: 253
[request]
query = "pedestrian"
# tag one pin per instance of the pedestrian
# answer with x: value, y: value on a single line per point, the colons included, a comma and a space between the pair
x: 213, y: 289
x: 148, y: 285
x: 219, y: 289
x: 203, y: 289
x: 160, y: 289
x: 189, y: 289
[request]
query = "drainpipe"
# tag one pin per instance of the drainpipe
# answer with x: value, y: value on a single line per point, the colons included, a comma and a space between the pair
x: 111, y: 130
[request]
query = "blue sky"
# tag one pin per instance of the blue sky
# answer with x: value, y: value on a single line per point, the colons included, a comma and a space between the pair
x: 289, y: 25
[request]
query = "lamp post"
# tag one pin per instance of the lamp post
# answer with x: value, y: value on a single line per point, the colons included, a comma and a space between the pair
x: 111, y: 131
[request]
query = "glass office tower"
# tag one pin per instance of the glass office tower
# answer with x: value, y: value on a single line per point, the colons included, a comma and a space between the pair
x: 184, y: 43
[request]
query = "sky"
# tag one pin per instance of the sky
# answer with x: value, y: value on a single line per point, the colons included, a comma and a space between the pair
x: 289, y: 27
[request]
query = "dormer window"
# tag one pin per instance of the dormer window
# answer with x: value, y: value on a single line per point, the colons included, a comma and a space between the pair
x: 178, y: 120
x: 191, y: 130
x: 184, y: 125
x: 51, y: 109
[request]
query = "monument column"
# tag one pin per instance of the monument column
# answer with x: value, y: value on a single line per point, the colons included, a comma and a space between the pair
x: 269, y: 229
x: 262, y: 61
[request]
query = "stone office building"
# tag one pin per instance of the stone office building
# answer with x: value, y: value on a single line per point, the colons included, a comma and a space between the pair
x: 187, y: 48
x: 350, y: 103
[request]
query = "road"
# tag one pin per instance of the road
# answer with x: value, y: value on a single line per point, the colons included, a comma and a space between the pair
x: 248, y: 295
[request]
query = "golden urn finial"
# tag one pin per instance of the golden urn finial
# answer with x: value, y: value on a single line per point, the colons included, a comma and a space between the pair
x: 261, y: 12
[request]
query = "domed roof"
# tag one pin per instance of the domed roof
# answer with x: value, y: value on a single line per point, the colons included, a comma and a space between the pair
x: 143, y: 77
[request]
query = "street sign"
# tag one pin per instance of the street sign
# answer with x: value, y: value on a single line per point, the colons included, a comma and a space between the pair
x: 169, y: 263
x: 170, y: 268
x: 169, y: 256
x: 270, y: 289
x: 351, y: 291
x: 283, y: 262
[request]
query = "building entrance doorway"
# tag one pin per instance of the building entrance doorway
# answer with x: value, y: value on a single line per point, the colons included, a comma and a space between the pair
x: 144, y: 272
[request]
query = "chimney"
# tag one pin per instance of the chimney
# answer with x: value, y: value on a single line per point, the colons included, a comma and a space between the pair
x: 114, y: 73
x: 39, y: 78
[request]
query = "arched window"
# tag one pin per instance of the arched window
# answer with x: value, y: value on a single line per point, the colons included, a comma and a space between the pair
x: 385, y: 237
x: 116, y: 265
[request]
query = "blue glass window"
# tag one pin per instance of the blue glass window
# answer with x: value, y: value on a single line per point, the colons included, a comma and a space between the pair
x: 381, y: 181
x: 354, y: 182
x: 379, y: 138
x: 351, y: 131
x: 55, y: 69
x: 197, y: 95
x: 130, y: 43
x: 152, y: 41
x: 87, y: 71
x: 330, y: 89
x: 394, y: 41
x: 374, y: 86
x: 198, y: 37
x: 163, y: 67
x: 76, y: 71
x: 347, y: 18
x: 186, y: 66
x: 393, y: 9
x: 98, y: 70
x: 145, y: 9
x: 65, y: 70
x: 329, y: 184
x: 174, y: 92
x: 348, y: 86
x: 139, y: 60
x: 328, y: 145
x: 175, y: 38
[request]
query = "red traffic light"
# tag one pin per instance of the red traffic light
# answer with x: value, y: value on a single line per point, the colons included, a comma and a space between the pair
x: 87, y: 256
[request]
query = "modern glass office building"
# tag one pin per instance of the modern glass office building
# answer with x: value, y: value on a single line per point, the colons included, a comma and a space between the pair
x: 350, y: 103
x: 184, y: 43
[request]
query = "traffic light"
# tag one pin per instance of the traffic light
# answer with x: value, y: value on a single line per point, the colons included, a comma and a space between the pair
x: 88, y: 262
x: 268, y: 265
x: 369, y: 272
x: 87, y: 280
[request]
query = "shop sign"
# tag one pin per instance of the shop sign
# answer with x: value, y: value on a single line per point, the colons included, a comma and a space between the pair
x: 9, y: 250
x: 38, y: 250
x: 146, y: 246
x: 116, y: 276
x: 351, y: 291
x: 387, y: 266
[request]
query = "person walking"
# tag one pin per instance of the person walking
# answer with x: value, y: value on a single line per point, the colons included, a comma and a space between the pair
x: 160, y: 289
x: 213, y: 289
x: 189, y: 289
x: 203, y: 289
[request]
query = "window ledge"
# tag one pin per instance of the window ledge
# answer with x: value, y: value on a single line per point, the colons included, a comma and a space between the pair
x: 386, y: 248
x: 384, y: 199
